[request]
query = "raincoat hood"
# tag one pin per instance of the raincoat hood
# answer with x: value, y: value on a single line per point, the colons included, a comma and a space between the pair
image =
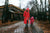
x: 27, y: 9
x: 32, y: 17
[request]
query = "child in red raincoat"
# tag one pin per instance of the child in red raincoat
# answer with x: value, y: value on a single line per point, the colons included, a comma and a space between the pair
x: 31, y: 20
x: 26, y: 16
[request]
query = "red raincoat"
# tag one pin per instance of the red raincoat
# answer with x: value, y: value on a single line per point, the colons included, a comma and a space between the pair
x: 26, y: 16
x: 31, y: 20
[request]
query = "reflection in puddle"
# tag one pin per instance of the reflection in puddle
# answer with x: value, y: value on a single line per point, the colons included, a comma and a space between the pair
x: 21, y: 29
x: 29, y: 29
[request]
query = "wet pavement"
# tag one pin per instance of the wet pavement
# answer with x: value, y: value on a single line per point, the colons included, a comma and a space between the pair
x: 20, y: 28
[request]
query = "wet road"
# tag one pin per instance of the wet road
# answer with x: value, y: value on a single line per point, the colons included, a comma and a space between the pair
x: 23, y: 29
x: 20, y: 28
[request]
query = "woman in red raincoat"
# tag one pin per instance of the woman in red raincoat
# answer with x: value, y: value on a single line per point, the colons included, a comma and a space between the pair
x: 26, y: 16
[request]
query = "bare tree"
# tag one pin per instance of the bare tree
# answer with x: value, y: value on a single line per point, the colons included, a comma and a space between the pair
x: 49, y: 10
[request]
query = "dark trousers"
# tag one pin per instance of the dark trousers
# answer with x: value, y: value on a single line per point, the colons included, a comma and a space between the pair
x: 31, y: 24
x: 27, y: 24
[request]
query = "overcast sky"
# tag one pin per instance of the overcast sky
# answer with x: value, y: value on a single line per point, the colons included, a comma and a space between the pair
x: 17, y: 2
